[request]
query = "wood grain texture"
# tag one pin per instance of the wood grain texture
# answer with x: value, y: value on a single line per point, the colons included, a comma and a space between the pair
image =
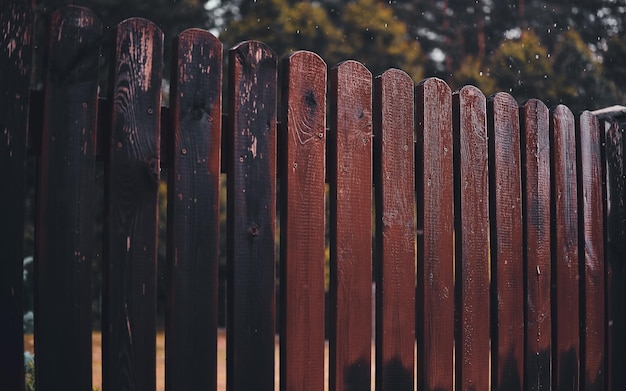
x: 16, y: 47
x: 393, y: 121
x: 506, y: 236
x: 534, y: 118
x: 350, y: 178
x: 591, y: 248
x: 565, y: 261
x: 131, y: 191
x: 252, y: 217
x: 472, y: 239
x: 193, y: 212
x: 615, y: 252
x: 64, y: 246
x: 302, y: 222
x: 435, y: 216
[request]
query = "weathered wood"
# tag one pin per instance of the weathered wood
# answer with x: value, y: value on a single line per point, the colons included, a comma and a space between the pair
x: 472, y: 239
x: 350, y: 178
x: 15, y: 62
x: 303, y: 144
x: 506, y: 240
x: 393, y: 122
x: 615, y: 252
x: 193, y: 212
x: 435, y: 221
x: 534, y: 118
x: 252, y: 217
x: 65, y: 245
x: 591, y: 248
x: 131, y: 191
x: 565, y: 262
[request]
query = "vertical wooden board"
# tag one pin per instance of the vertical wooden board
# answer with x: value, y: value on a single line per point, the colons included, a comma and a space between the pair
x: 252, y: 217
x: 534, y: 118
x: 393, y: 120
x: 592, y: 252
x: 350, y: 177
x: 615, y: 252
x: 15, y: 61
x: 435, y: 211
x: 471, y: 239
x: 565, y: 294
x: 193, y: 212
x: 302, y: 222
x: 65, y: 220
x: 506, y: 240
x: 131, y: 192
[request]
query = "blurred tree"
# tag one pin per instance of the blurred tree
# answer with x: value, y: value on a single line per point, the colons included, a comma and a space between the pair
x: 615, y: 63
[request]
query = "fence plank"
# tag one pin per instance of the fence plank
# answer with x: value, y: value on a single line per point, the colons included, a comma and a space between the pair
x: 131, y: 191
x: 302, y: 222
x: 565, y: 250
x: 193, y: 212
x: 534, y: 117
x: 472, y: 239
x: 15, y: 62
x: 591, y: 249
x: 615, y: 220
x: 252, y: 217
x: 435, y: 275
x: 393, y: 120
x: 64, y: 248
x: 350, y: 177
x: 507, y: 263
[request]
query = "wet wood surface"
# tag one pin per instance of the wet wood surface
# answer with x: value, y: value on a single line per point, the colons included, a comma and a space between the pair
x: 350, y: 178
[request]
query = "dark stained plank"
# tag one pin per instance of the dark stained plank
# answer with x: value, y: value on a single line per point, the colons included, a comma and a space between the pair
x: 591, y: 248
x: 303, y: 144
x: 615, y: 252
x: 350, y: 178
x: 534, y: 122
x: 64, y: 245
x: 193, y: 212
x: 565, y: 298
x: 472, y: 239
x: 506, y: 239
x: 15, y: 61
x: 393, y: 122
x: 131, y: 191
x: 251, y: 217
x: 435, y: 219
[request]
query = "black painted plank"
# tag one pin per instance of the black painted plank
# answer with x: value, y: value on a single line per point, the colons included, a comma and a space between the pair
x: 131, y: 188
x: 15, y: 58
x: 64, y: 245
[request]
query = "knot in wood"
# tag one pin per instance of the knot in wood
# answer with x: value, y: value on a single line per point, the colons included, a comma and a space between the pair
x: 253, y: 230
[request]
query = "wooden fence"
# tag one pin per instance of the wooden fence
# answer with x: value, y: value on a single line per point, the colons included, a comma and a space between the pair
x: 497, y: 244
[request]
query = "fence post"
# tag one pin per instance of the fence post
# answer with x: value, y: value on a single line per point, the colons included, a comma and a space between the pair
x: 15, y: 63
x: 65, y: 246
x: 131, y: 190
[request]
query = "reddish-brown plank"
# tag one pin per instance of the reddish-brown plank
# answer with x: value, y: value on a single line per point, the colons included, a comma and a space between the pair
x: 534, y: 118
x: 65, y: 247
x: 472, y: 239
x: 303, y: 144
x: 591, y: 249
x: 193, y: 212
x: 251, y: 217
x: 615, y: 252
x: 131, y: 192
x: 16, y: 23
x: 565, y: 297
x: 435, y: 224
x: 350, y: 178
x: 393, y: 122
x: 506, y: 236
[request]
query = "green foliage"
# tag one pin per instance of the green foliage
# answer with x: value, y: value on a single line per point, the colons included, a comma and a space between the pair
x: 30, y: 374
x: 523, y: 68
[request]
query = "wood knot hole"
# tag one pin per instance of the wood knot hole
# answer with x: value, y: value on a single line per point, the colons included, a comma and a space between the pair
x: 253, y: 230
